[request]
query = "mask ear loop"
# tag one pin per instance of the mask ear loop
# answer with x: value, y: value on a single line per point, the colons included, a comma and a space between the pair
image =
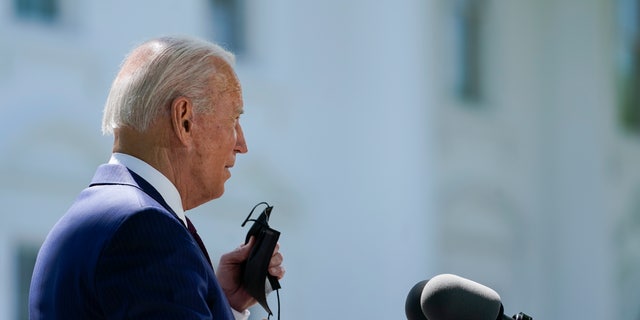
x: 278, y: 298
x: 250, y: 213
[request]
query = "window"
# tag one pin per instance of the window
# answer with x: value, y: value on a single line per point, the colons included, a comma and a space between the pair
x: 25, y: 259
x: 46, y: 11
x: 227, y: 24
x: 628, y: 17
x: 467, y: 22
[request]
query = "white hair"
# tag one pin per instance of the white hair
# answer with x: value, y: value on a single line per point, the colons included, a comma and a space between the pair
x: 170, y: 67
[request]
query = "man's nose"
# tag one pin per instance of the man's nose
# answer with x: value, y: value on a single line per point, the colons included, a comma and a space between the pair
x: 241, y: 143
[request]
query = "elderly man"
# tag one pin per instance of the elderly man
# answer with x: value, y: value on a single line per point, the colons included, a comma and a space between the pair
x: 125, y: 248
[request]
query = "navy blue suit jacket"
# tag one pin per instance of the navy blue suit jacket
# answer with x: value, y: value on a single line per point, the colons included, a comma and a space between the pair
x: 120, y: 252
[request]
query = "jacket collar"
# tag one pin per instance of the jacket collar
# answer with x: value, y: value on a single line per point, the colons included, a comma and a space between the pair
x: 116, y: 174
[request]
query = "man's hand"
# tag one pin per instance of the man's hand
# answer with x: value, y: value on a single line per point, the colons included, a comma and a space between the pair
x: 229, y: 273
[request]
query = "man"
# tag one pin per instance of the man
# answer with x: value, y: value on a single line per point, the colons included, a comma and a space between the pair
x: 125, y: 248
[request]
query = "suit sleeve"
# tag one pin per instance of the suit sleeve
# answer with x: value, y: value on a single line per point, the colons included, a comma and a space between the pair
x: 151, y: 268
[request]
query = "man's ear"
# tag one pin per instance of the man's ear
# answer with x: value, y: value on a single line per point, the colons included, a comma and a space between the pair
x: 182, y: 119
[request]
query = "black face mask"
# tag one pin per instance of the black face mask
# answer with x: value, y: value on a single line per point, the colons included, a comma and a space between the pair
x: 256, y: 273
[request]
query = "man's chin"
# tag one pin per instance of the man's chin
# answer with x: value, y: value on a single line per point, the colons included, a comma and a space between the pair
x: 218, y: 193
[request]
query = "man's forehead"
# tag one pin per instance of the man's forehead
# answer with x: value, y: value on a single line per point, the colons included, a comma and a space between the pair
x: 227, y: 85
x: 233, y: 100
x: 239, y: 106
x: 226, y: 80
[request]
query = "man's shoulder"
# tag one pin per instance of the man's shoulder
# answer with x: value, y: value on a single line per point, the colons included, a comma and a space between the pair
x: 110, y: 205
x: 110, y: 196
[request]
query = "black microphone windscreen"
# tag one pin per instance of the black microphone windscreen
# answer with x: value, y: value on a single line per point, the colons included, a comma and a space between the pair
x: 450, y: 297
x: 412, y: 307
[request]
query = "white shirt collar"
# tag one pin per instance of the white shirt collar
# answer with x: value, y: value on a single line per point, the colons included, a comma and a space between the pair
x: 164, y: 186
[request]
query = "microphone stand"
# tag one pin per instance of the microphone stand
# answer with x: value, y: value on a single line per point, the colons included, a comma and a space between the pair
x: 519, y: 316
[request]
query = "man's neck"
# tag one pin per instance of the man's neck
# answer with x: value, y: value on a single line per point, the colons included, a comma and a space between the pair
x: 160, y: 182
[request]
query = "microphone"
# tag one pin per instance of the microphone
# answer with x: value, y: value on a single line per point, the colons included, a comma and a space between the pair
x: 450, y: 297
x: 412, y: 306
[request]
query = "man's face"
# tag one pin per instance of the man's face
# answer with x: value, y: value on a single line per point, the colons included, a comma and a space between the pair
x: 218, y: 137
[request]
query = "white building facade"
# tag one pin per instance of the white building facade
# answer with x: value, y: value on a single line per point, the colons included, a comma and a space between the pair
x: 396, y: 139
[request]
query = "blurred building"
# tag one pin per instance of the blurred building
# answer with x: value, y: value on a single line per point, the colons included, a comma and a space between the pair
x: 494, y: 139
